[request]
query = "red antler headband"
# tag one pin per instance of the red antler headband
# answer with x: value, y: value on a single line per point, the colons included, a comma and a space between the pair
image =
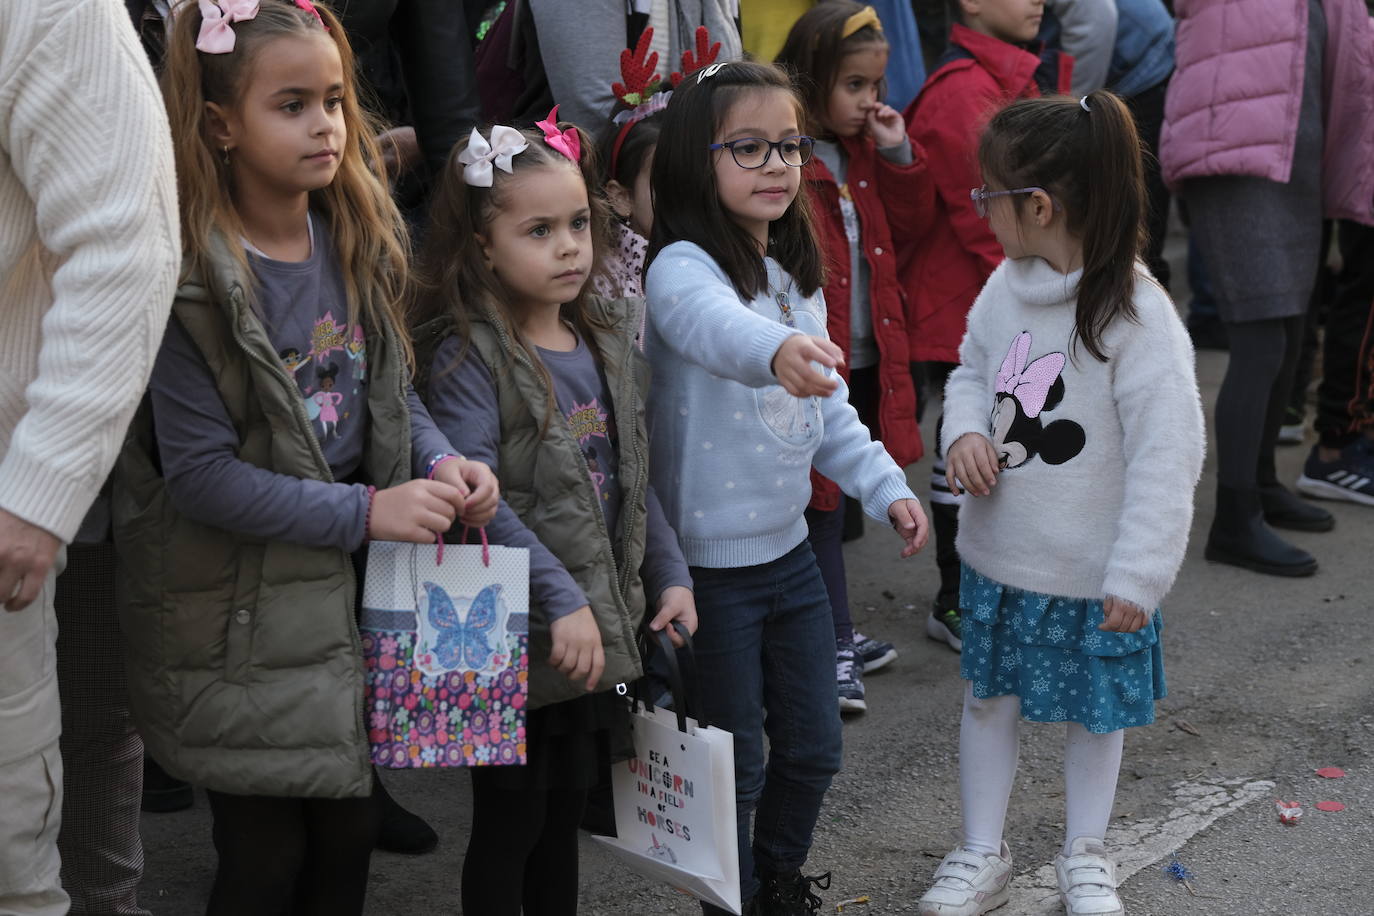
x: 643, y: 89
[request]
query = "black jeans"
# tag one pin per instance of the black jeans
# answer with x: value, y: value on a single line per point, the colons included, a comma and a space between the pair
x: 1345, y: 398
x: 296, y: 856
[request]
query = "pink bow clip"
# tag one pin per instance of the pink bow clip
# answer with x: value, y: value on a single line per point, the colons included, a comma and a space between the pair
x: 310, y: 8
x: 1030, y: 385
x: 566, y: 142
x: 216, y: 36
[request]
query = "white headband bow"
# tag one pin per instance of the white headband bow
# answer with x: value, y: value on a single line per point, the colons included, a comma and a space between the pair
x: 478, y: 158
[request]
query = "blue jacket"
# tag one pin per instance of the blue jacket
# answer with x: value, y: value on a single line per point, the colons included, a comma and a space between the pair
x: 906, y: 70
x: 1144, y: 55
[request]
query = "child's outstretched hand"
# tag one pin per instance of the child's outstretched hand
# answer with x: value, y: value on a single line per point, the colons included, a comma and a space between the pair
x: 676, y: 603
x: 577, y: 651
x: 972, y: 462
x: 1122, y: 616
x: 910, y: 521
x: 792, y: 365
x: 886, y: 126
x: 418, y: 511
x: 480, y: 491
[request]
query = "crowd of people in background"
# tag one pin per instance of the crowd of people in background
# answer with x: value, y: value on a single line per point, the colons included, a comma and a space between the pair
x: 842, y: 236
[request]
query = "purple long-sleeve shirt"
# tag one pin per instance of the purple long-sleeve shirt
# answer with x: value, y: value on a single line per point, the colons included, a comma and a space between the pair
x: 198, y: 444
x: 463, y: 401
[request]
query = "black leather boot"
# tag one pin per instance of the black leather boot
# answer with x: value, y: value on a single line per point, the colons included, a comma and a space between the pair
x: 1241, y: 537
x: 400, y: 830
x: 790, y: 894
x: 1285, y: 509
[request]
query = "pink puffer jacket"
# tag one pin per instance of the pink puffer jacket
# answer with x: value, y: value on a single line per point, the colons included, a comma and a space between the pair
x: 1232, y: 107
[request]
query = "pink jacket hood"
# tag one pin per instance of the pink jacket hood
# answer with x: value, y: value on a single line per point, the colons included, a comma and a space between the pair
x: 1232, y: 108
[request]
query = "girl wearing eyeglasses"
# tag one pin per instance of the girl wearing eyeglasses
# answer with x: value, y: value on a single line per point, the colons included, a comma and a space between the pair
x: 870, y: 188
x: 1074, y: 421
x: 746, y: 400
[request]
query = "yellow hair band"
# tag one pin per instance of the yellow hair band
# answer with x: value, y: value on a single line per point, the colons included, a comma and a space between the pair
x: 863, y: 18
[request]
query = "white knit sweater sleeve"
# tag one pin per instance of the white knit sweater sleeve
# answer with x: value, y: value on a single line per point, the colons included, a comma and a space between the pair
x: 83, y: 128
x: 1155, y: 389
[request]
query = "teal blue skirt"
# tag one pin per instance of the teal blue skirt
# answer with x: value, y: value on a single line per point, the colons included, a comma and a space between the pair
x: 1047, y: 650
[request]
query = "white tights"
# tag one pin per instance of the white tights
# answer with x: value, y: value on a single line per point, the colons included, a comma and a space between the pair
x: 988, y: 751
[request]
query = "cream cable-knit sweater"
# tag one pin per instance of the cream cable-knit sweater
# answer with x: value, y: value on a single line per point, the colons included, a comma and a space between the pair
x: 89, y: 249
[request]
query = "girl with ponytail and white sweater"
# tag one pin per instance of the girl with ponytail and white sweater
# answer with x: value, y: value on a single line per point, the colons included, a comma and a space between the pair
x: 1074, y: 420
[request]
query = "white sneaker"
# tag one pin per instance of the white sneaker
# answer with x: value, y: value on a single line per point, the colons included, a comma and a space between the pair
x: 1087, y: 880
x: 968, y: 883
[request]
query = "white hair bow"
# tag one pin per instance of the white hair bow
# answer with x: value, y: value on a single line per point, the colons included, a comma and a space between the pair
x: 480, y: 156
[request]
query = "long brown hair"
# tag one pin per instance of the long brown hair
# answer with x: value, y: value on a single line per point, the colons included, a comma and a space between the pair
x: 365, y: 225
x: 454, y: 278
x: 1089, y: 157
x: 816, y: 48
x: 686, y: 203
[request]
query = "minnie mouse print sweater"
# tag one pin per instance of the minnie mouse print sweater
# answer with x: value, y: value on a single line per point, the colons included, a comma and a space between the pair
x: 1098, y: 460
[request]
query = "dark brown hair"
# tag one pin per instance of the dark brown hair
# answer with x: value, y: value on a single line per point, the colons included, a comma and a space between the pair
x: 454, y: 278
x: 687, y: 204
x: 365, y: 225
x: 814, y: 51
x: 1091, y: 163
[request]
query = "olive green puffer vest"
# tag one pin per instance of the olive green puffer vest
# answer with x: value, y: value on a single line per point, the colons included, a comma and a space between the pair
x: 245, y: 665
x: 545, y: 481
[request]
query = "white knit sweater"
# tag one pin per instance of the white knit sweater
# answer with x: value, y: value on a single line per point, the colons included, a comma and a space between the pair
x: 1101, y: 458
x: 89, y: 249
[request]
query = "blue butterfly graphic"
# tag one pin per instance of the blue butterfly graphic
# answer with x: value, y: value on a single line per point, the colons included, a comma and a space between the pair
x: 458, y: 644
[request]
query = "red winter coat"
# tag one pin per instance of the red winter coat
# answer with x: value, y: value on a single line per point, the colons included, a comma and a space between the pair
x: 895, y: 204
x: 943, y: 273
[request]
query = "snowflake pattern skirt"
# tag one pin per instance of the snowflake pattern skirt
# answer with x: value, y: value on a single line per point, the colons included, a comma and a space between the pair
x: 1048, y: 651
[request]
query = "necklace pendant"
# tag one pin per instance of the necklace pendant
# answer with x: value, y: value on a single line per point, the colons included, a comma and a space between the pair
x: 785, y: 306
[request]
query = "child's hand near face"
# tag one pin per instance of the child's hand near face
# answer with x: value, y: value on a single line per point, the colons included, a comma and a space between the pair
x: 886, y: 126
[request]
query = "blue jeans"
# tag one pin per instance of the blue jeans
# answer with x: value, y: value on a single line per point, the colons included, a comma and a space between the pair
x: 765, y: 650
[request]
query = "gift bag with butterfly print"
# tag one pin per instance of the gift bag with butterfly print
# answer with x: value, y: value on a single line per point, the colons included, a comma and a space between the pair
x: 445, y: 631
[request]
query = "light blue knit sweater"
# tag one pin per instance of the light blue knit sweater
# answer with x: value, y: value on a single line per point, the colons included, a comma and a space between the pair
x: 732, y: 451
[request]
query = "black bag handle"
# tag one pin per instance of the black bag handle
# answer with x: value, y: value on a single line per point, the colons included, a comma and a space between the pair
x: 686, y: 691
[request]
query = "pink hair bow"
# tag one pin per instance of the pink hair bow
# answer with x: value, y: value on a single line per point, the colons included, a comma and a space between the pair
x: 567, y: 142
x: 1030, y: 385
x: 480, y: 156
x: 216, y: 36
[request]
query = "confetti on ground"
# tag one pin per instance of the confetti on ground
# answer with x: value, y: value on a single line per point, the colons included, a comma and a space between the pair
x: 1290, y: 812
x: 1331, y: 772
x: 1178, y: 871
x: 1329, y: 806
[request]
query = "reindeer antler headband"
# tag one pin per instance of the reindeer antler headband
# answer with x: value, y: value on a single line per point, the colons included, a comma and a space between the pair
x: 643, y: 89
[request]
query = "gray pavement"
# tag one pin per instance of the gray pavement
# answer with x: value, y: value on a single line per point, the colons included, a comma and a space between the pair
x: 1269, y: 679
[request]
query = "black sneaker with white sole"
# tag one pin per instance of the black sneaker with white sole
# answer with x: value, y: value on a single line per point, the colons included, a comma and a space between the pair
x: 876, y: 653
x: 1349, y: 478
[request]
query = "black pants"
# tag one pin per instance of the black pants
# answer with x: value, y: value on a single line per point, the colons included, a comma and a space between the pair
x: 1345, y: 398
x: 522, y: 851
x: 1148, y: 109
x: 296, y: 856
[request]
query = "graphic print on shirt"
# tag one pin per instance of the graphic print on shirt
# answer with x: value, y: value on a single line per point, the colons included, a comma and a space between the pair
x: 357, y: 351
x: 588, y: 422
x: 328, y: 401
x: 1024, y: 391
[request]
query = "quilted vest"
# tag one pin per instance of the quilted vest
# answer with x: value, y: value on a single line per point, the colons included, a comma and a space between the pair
x: 245, y: 665
x: 545, y: 481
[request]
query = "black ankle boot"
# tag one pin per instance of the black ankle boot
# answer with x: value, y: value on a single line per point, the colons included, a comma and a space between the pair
x: 1285, y: 509
x: 163, y: 793
x: 790, y: 894
x: 1240, y: 537
x: 400, y: 830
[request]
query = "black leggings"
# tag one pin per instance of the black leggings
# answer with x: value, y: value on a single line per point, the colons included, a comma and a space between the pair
x: 297, y: 856
x: 1251, y: 402
x: 522, y: 850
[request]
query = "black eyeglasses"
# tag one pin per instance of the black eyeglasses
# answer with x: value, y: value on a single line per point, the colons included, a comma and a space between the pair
x: 754, y: 152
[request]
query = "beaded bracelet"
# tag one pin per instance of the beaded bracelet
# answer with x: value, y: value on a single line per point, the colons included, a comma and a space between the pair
x: 367, y: 519
x: 436, y: 461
